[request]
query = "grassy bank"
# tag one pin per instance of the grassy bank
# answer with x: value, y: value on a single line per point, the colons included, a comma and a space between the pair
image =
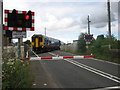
x: 110, y: 56
x: 107, y: 55
x: 15, y: 73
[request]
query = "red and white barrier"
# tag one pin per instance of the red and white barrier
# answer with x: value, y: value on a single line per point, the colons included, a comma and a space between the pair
x: 58, y: 58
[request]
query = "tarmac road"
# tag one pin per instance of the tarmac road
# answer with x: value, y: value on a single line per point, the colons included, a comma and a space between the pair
x: 70, y: 73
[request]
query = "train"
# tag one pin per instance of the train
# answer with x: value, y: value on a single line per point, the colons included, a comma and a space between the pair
x: 41, y: 43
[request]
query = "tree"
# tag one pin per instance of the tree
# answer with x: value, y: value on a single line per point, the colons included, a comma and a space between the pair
x: 100, y: 37
x: 27, y: 42
x: 81, y: 43
x: 112, y: 37
x: 105, y: 48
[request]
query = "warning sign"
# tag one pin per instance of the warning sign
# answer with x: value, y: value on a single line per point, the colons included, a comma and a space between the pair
x: 18, y: 34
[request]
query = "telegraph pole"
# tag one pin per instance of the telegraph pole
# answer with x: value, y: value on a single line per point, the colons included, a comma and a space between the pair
x: 19, y: 49
x: 118, y: 20
x: 88, y: 25
x: 109, y: 19
x: 1, y: 37
x: 45, y: 31
x: 88, y: 42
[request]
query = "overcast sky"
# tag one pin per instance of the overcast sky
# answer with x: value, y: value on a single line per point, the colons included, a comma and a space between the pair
x: 66, y: 19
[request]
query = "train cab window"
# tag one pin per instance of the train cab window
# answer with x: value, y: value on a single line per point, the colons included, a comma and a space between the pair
x: 40, y: 39
x: 33, y: 39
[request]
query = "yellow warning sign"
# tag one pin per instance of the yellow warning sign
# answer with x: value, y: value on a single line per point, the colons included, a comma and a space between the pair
x: 87, y: 46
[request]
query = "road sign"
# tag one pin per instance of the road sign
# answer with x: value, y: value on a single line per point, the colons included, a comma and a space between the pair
x: 87, y: 46
x: 19, y: 20
x: 87, y: 43
x: 18, y: 34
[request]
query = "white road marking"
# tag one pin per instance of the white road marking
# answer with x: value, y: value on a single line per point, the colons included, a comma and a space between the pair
x: 52, y: 54
x: 34, y: 84
x: 45, y: 84
x: 54, y: 58
x: 35, y: 53
x: 96, y: 71
x: 101, y: 73
x: 108, y: 88
x: 105, y: 61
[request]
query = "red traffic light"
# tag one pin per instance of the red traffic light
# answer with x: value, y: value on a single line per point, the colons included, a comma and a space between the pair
x: 27, y: 17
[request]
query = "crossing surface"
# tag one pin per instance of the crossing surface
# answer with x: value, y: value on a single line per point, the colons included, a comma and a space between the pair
x: 77, y: 73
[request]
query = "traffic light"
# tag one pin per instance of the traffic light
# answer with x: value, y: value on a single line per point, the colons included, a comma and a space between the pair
x: 22, y: 20
x: 28, y: 15
x: 28, y: 19
x: 88, y: 37
x: 19, y: 20
x: 12, y: 18
x: 91, y: 36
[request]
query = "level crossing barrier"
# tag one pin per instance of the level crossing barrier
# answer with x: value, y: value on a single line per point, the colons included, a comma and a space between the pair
x: 58, y: 58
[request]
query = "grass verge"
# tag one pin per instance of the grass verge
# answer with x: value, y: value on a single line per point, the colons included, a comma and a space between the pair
x: 98, y: 56
x: 15, y: 73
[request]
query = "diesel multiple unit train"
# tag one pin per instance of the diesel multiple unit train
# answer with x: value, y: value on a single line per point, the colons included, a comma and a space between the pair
x: 41, y: 43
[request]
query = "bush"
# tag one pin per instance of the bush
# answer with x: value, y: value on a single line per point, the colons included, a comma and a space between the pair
x: 16, y: 73
x: 81, y: 44
x: 103, y: 49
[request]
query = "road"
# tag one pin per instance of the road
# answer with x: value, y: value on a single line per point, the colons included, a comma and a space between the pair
x: 74, y: 73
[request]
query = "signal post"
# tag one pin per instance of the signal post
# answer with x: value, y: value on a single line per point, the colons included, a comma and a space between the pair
x: 19, y: 22
x: 88, y: 38
x: 1, y: 45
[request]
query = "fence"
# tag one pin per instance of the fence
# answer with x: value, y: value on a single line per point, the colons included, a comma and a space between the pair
x: 69, y: 47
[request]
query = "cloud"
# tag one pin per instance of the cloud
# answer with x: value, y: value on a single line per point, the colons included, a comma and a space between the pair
x: 68, y: 17
x: 15, y: 4
x: 114, y: 7
x: 100, y: 25
x: 44, y: 1
x: 54, y: 23
x: 99, y: 17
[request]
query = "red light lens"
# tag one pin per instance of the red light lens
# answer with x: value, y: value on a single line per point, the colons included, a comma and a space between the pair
x: 27, y: 17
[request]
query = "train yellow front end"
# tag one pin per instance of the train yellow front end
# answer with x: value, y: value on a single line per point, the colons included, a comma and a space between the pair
x: 41, y: 43
x: 37, y: 43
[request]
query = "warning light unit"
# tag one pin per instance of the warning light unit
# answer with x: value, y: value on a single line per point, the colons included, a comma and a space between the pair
x: 88, y: 37
x: 19, y: 20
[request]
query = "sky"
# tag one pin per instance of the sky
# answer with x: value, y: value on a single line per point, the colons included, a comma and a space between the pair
x: 67, y: 19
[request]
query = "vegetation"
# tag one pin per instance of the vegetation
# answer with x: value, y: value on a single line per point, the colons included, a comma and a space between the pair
x: 81, y: 44
x: 27, y: 42
x: 105, y: 48
x: 16, y: 73
x: 102, y: 47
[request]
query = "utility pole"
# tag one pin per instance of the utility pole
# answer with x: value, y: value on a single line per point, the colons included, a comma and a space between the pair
x: 88, y: 42
x: 45, y: 31
x: 1, y: 37
x: 109, y: 19
x: 88, y: 25
x: 19, y: 49
x: 118, y: 20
